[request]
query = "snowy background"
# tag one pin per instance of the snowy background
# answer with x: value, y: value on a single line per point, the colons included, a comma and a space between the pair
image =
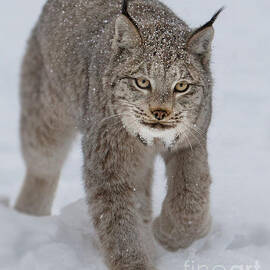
x: 239, y: 145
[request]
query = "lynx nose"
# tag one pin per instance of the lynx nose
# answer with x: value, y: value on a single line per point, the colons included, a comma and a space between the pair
x: 160, y: 114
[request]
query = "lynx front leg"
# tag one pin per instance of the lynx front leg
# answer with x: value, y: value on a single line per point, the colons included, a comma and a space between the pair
x: 112, y: 164
x: 185, y: 213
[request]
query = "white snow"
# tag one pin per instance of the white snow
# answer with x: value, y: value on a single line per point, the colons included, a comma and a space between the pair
x: 239, y: 145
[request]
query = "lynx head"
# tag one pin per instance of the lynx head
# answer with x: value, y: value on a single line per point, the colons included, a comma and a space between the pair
x: 161, y: 76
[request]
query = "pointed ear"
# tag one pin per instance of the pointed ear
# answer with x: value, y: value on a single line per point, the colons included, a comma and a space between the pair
x: 200, y: 42
x: 126, y: 34
x: 201, y: 39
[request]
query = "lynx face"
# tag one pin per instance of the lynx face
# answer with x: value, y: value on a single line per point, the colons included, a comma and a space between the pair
x: 160, y: 102
x: 161, y: 90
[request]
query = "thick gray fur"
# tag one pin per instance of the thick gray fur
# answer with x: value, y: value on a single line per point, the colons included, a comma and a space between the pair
x: 79, y: 75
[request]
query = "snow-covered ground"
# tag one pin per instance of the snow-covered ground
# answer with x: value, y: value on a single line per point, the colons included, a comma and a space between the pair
x: 239, y: 145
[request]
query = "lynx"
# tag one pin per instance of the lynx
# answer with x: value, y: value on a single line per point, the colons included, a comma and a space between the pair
x: 135, y: 81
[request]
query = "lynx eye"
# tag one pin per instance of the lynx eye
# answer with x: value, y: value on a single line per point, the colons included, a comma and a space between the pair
x: 181, y: 87
x: 143, y: 83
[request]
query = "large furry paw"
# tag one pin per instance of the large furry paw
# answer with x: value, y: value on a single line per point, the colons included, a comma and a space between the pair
x: 173, y: 238
x: 168, y: 239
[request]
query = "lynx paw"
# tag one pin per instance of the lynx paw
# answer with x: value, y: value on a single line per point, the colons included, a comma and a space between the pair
x: 168, y: 240
x: 172, y: 238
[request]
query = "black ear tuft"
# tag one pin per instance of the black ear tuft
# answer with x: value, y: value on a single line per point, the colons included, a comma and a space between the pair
x: 211, y: 22
x: 216, y: 15
x: 201, y: 39
x: 124, y: 8
x: 125, y: 12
